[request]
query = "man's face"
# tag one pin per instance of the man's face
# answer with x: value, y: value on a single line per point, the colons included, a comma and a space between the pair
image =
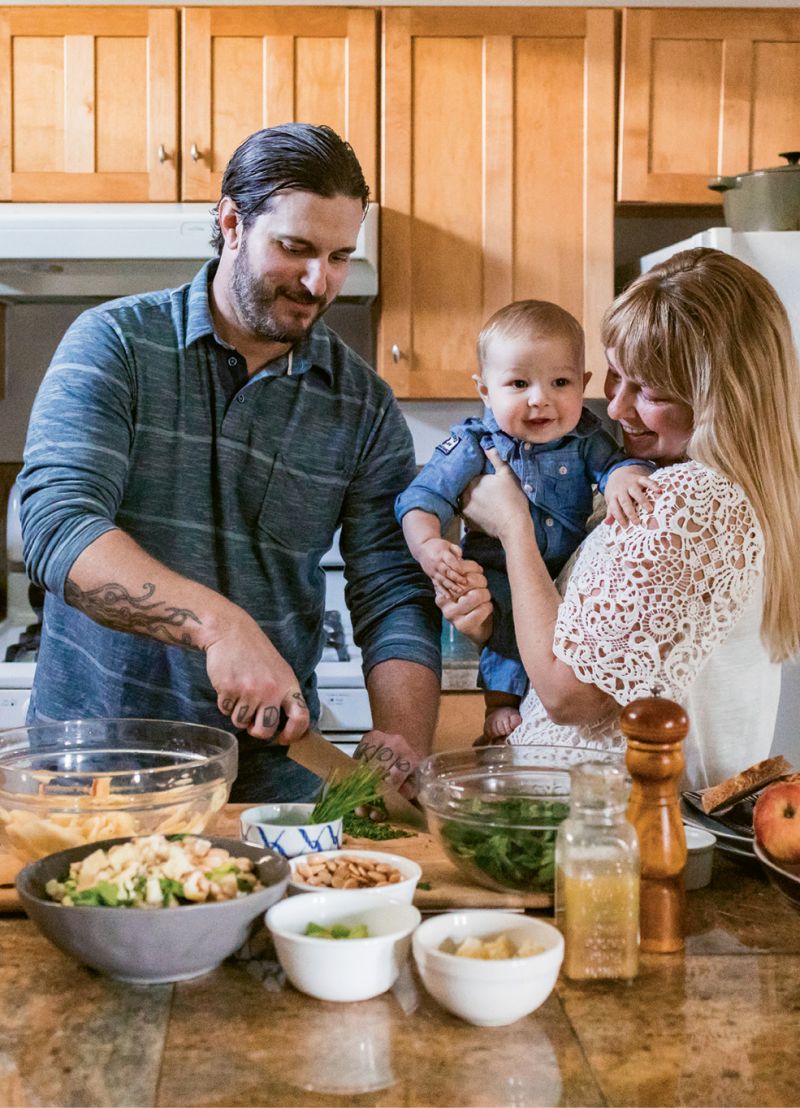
x: 291, y: 262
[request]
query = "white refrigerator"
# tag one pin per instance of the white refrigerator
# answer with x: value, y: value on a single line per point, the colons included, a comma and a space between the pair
x: 776, y: 254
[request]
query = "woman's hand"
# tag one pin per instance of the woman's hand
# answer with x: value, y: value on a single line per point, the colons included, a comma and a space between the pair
x: 495, y: 502
x: 472, y: 612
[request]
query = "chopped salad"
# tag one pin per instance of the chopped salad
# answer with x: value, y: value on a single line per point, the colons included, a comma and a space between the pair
x: 155, y: 871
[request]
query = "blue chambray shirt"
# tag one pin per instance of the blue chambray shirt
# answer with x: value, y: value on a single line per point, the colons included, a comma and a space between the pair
x: 133, y: 429
x: 557, y: 477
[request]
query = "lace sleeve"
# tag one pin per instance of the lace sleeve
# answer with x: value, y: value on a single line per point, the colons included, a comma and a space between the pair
x: 645, y: 605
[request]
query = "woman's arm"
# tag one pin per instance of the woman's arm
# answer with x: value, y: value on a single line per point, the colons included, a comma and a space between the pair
x: 498, y: 506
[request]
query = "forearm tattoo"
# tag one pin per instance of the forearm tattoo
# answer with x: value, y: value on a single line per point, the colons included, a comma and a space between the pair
x: 114, y: 606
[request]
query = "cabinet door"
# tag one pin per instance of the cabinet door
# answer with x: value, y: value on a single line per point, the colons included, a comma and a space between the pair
x: 88, y: 104
x: 498, y: 164
x: 248, y: 68
x: 705, y: 92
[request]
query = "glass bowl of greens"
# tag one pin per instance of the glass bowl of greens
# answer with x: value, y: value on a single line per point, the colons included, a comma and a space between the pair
x: 495, y: 810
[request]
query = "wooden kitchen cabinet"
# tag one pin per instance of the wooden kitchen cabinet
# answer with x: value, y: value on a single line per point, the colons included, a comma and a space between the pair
x: 704, y: 92
x: 88, y: 104
x: 460, y: 720
x: 497, y: 181
x: 248, y: 68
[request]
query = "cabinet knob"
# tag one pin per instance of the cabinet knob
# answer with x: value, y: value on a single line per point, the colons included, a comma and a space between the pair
x: 396, y: 352
x: 162, y: 153
x: 194, y: 153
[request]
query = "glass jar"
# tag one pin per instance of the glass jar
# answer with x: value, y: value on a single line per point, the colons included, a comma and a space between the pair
x: 597, y: 877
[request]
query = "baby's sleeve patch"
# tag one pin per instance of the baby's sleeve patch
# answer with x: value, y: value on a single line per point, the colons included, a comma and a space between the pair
x: 449, y: 445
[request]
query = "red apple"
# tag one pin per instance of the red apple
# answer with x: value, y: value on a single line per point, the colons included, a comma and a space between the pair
x: 776, y: 820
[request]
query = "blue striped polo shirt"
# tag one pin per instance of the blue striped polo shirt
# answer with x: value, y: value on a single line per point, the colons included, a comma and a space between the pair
x: 133, y: 428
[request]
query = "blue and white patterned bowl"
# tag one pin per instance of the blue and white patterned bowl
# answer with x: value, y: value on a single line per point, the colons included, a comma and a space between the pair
x: 285, y: 829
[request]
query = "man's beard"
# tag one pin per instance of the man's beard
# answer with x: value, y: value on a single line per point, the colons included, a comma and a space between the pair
x: 255, y: 301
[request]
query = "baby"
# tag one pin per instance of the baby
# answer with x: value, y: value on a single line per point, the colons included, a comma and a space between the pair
x: 531, y: 360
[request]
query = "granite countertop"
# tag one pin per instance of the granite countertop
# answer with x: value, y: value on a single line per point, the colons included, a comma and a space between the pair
x: 718, y: 1026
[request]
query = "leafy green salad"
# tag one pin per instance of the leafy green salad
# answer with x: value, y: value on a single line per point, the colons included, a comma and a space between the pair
x: 515, y: 846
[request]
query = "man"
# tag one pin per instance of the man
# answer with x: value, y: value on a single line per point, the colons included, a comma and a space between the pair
x: 191, y: 453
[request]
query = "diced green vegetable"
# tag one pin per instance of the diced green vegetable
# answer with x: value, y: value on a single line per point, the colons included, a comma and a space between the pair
x: 337, y: 931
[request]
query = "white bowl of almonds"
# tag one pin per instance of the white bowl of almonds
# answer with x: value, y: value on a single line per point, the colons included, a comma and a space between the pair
x: 385, y: 874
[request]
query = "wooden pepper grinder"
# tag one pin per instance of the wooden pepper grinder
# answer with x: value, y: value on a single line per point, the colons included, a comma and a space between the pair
x: 655, y: 729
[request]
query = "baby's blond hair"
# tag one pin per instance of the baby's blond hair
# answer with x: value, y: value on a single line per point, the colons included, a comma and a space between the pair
x: 533, y: 319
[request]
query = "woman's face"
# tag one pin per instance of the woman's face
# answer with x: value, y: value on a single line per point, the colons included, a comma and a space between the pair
x: 655, y: 427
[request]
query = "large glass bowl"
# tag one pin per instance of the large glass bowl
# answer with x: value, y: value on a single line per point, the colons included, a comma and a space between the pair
x: 66, y: 784
x: 495, y: 810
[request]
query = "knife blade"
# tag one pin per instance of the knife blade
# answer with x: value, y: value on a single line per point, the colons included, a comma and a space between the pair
x: 314, y: 752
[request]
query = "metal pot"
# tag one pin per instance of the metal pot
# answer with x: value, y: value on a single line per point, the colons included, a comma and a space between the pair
x: 764, y: 199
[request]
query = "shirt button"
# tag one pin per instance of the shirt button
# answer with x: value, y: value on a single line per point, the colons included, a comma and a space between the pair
x: 528, y: 488
x: 240, y: 398
x: 548, y: 522
x: 562, y: 470
x: 527, y: 446
x: 232, y: 362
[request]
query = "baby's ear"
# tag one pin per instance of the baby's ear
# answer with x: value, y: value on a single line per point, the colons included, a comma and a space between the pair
x: 483, y: 392
x: 586, y: 378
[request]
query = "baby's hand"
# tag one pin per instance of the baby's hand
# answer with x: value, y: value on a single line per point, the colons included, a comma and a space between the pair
x: 443, y: 563
x: 629, y: 490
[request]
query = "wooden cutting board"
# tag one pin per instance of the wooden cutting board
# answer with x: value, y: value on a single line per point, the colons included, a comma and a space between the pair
x: 449, y: 888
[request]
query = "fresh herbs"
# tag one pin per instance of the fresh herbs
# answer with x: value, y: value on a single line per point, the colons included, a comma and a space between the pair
x: 514, y: 849
x: 341, y: 795
x: 362, y: 827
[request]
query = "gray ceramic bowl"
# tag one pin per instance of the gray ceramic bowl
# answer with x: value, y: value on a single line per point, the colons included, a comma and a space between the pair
x: 150, y: 946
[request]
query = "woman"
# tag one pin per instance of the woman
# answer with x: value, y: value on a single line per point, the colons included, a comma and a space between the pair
x: 699, y: 600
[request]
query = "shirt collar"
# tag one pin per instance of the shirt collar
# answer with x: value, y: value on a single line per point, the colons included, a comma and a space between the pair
x: 506, y: 445
x: 313, y: 351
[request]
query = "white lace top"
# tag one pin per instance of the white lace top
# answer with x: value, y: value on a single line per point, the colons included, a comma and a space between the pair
x: 674, y: 604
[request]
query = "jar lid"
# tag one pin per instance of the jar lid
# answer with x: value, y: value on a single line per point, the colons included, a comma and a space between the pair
x: 599, y: 785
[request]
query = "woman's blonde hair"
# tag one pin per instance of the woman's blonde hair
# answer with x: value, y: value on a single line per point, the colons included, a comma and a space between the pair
x: 710, y: 331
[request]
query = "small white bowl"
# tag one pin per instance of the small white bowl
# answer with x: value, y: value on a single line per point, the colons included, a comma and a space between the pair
x: 488, y: 993
x: 699, y: 857
x: 401, y: 890
x: 342, y: 969
x: 285, y: 828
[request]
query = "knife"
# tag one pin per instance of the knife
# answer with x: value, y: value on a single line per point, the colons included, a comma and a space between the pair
x: 323, y: 758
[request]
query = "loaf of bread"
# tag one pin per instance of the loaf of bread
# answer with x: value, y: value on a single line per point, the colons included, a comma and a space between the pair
x: 744, y: 783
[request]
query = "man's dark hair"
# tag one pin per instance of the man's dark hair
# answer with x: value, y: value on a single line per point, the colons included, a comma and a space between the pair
x: 292, y: 156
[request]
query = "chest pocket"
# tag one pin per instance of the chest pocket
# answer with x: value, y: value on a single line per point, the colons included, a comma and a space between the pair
x: 302, y: 504
x: 565, y: 485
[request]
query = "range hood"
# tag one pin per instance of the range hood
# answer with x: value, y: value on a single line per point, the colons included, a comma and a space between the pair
x: 75, y: 251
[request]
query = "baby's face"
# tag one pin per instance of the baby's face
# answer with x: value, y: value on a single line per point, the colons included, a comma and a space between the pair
x: 534, y: 386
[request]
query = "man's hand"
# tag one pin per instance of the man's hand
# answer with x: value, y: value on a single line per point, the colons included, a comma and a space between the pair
x: 253, y: 683
x: 393, y: 756
x: 629, y: 490
x: 442, y: 562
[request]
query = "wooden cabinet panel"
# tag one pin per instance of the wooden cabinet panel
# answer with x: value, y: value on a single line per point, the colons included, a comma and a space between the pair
x: 704, y: 92
x: 497, y: 147
x: 460, y: 720
x: 88, y: 104
x: 248, y: 68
